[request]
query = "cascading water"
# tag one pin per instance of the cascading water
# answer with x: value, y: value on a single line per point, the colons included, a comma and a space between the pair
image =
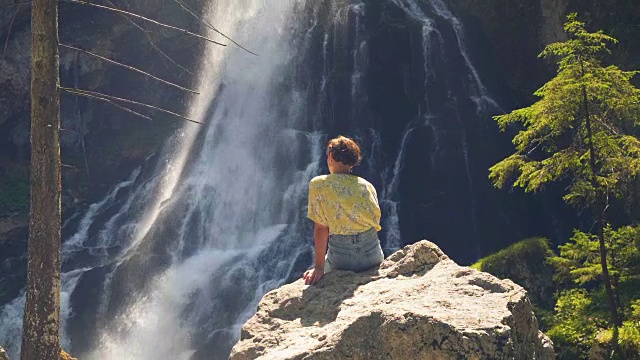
x: 158, y: 278
x: 175, y: 258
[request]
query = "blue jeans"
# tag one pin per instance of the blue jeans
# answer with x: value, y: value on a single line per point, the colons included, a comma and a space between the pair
x: 357, y: 252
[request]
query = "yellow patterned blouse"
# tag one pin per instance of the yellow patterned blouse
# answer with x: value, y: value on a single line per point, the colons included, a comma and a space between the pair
x: 347, y: 204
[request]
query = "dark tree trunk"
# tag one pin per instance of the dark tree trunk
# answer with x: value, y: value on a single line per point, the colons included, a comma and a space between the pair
x: 41, y: 332
x: 600, y: 219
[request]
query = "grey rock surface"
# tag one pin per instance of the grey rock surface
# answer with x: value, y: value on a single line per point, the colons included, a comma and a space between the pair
x: 418, y: 305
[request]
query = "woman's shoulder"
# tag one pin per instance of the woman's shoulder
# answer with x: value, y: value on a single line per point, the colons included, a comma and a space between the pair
x: 364, y: 181
x: 367, y: 185
x: 334, y: 180
x: 339, y: 179
x: 318, y: 180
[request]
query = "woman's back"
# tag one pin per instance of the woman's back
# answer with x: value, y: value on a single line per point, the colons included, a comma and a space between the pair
x: 346, y: 215
x: 346, y: 203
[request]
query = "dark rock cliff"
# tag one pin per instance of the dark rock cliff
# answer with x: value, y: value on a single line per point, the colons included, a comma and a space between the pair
x: 100, y: 144
x: 517, y: 31
x: 98, y: 140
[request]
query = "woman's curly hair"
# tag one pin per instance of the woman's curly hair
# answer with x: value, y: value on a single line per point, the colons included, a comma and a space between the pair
x: 344, y: 150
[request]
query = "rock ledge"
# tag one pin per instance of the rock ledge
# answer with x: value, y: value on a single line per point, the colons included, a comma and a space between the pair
x: 418, y: 305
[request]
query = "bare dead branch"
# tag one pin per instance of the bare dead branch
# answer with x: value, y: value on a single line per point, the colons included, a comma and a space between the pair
x: 16, y: 4
x: 128, y: 67
x: 78, y: 93
x: 70, y: 131
x: 6, y: 41
x: 145, y: 19
x: 83, y: 129
x: 127, y: 109
x: 153, y: 44
x: 124, y: 108
x: 208, y: 24
x: 114, y: 98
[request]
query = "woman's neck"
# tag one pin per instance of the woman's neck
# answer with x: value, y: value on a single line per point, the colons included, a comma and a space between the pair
x: 336, y: 167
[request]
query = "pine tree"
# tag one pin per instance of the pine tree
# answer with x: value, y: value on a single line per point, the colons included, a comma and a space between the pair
x: 41, y: 330
x: 579, y: 131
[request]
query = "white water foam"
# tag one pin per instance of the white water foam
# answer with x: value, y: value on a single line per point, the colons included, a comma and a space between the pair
x: 225, y: 183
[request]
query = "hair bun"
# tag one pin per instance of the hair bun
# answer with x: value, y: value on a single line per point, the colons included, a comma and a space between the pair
x: 344, y: 150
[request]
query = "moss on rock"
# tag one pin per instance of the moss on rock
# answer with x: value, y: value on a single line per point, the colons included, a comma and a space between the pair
x: 524, y: 262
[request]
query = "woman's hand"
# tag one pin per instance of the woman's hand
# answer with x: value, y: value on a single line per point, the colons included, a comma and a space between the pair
x: 312, y: 276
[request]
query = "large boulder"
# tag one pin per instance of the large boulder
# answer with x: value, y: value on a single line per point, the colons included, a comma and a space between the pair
x: 63, y: 355
x: 418, y: 305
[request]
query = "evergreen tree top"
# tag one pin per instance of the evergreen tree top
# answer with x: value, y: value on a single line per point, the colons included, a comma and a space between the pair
x: 586, y: 112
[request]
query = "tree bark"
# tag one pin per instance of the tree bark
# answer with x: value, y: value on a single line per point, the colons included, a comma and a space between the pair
x: 41, y: 331
x: 600, y: 219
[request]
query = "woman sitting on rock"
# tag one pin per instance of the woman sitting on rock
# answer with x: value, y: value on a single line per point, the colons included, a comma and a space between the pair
x: 346, y: 213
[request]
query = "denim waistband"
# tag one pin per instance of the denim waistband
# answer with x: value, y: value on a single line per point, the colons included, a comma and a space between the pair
x: 364, y: 236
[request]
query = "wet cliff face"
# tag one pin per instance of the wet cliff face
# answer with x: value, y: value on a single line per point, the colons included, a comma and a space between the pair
x: 517, y: 31
x: 418, y: 86
x: 100, y: 144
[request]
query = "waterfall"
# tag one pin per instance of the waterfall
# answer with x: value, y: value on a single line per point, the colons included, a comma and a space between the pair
x: 158, y: 277
x: 173, y: 260
x: 359, y: 57
x: 218, y: 209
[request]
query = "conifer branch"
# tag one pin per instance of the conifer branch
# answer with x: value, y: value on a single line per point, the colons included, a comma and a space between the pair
x: 611, y: 130
x: 208, y: 24
x: 128, y: 67
x: 114, y: 98
x: 145, y: 19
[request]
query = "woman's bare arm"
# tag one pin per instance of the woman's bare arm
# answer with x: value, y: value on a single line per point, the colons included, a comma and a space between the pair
x: 320, y: 240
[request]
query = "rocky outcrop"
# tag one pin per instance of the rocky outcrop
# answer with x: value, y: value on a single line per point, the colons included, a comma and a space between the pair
x: 527, y: 264
x: 63, y: 355
x: 418, y: 305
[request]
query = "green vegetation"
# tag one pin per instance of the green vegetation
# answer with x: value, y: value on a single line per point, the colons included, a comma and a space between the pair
x: 533, y: 252
x: 526, y: 263
x: 581, y: 310
x: 582, y: 133
x: 574, y: 325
